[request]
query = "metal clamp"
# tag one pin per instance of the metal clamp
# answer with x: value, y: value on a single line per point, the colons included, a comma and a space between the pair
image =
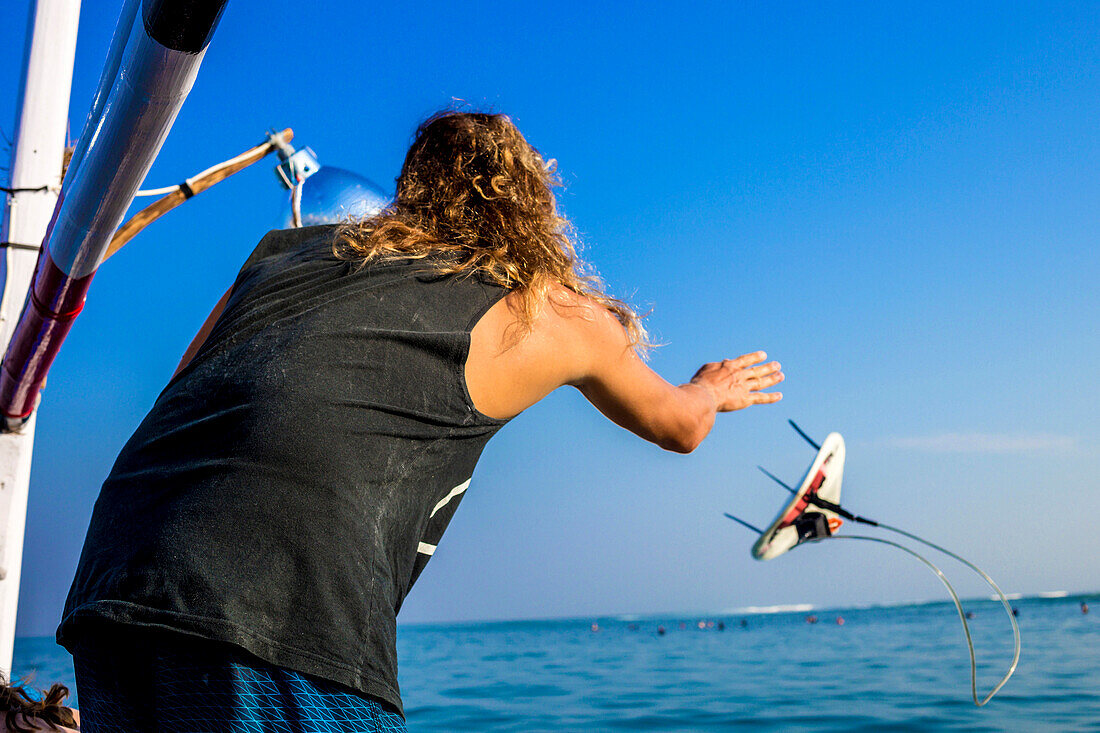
x: 296, y: 165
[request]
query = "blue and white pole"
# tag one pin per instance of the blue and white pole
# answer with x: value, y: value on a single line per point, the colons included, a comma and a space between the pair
x: 161, y: 52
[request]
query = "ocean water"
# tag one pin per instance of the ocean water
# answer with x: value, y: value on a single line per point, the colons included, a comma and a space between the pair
x: 901, y: 668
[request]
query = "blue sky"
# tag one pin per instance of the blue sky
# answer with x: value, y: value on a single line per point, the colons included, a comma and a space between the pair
x: 898, y: 201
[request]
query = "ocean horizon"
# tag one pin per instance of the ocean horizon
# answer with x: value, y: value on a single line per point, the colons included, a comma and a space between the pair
x: 855, y: 668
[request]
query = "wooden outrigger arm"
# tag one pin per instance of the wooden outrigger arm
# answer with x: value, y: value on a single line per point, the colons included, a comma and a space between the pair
x: 192, y: 187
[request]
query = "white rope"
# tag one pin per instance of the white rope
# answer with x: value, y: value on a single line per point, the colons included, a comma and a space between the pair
x: 994, y: 586
x: 158, y: 191
x: 958, y: 605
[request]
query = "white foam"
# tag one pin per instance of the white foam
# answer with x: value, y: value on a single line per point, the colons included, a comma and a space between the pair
x: 782, y: 608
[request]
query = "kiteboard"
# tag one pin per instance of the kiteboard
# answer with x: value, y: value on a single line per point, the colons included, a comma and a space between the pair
x: 813, y: 513
x: 802, y: 520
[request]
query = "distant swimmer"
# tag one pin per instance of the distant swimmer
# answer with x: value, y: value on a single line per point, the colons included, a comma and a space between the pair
x: 721, y: 626
x: 970, y: 614
x: 811, y: 619
x: 660, y: 631
x: 595, y: 628
x: 839, y: 620
x: 744, y: 623
x: 1015, y: 611
x: 1084, y: 607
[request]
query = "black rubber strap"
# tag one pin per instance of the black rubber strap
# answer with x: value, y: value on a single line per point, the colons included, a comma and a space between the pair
x: 20, y: 245
x: 826, y: 504
x: 5, y: 189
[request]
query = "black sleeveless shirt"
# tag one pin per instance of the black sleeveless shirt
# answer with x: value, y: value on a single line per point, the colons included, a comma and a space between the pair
x: 290, y: 484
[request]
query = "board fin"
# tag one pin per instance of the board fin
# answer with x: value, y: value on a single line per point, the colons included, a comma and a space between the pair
x: 743, y: 523
x: 805, y: 437
x: 776, y: 479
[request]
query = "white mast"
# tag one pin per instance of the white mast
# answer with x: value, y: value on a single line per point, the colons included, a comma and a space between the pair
x: 36, y: 163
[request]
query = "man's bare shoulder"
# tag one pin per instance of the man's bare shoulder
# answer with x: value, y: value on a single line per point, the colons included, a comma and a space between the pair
x: 512, y: 366
x: 576, y: 315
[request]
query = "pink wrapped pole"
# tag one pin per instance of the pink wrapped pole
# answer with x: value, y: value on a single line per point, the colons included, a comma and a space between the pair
x: 154, y: 60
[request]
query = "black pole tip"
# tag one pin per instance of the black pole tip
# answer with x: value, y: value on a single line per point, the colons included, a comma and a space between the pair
x: 182, y: 25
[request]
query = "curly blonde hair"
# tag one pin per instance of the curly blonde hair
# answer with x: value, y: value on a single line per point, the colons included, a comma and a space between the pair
x: 478, y: 198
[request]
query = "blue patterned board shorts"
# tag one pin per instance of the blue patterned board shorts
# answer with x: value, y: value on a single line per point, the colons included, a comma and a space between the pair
x: 169, y: 684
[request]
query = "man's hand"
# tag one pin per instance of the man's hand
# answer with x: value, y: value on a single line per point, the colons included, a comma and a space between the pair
x: 735, y: 383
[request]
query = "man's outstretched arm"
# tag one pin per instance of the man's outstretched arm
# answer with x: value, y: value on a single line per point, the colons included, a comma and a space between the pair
x: 676, y: 418
x: 574, y: 340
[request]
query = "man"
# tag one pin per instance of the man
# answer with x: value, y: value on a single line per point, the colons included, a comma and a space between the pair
x: 253, y: 544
